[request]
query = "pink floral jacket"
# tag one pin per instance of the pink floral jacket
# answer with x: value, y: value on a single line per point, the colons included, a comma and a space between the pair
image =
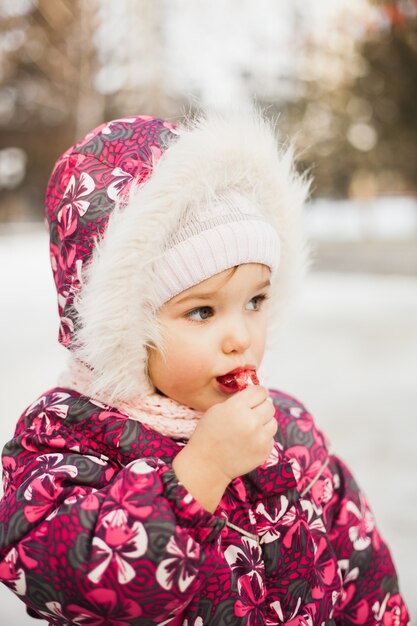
x: 95, y: 529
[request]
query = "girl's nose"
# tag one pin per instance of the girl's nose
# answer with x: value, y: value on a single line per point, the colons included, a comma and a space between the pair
x: 237, y: 337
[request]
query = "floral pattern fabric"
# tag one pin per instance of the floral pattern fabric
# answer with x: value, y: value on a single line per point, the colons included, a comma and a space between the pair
x: 96, y: 529
x: 86, y: 183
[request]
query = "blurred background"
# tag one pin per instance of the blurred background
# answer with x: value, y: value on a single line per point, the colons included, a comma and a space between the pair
x: 341, y: 76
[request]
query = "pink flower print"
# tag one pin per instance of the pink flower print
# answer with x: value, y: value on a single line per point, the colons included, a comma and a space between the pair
x: 121, y: 543
x: 347, y: 575
x: 105, y: 607
x: 44, y: 490
x: 379, y: 609
x: 326, y: 490
x: 324, y: 568
x: 306, y: 618
x: 304, y: 419
x: 314, y: 523
x: 268, y: 520
x: 359, y: 534
x: 12, y: 575
x: 252, y: 593
x: 90, y: 502
x: 66, y: 329
x: 197, y: 622
x: 396, y: 613
x: 47, y: 409
x: 180, y: 569
x: 72, y: 207
x: 68, y: 252
x: 273, y: 457
x: 73, y: 202
x: 54, y: 610
x: 120, y: 183
x: 295, y: 467
x: 42, y: 496
x: 391, y: 611
x: 67, y: 225
x: 9, y: 466
x: 50, y: 467
x: 131, y: 499
x: 246, y: 560
x: 25, y: 550
x: 354, y: 610
x: 305, y: 471
x: 176, y: 610
x: 295, y: 519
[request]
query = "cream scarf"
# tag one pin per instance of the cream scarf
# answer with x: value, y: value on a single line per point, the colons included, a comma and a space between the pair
x: 168, y: 417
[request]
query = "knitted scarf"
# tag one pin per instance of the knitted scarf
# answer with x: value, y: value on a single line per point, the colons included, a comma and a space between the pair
x: 168, y: 417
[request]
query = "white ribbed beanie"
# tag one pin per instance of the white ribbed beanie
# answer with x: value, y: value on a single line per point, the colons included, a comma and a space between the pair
x: 210, y: 239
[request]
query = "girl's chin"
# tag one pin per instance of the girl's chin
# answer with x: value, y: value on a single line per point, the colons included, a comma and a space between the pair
x: 202, y: 400
x: 202, y: 405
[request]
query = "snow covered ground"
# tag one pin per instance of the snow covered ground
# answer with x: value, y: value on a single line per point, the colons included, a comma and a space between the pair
x: 349, y: 352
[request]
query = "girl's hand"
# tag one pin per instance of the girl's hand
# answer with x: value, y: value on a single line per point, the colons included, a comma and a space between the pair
x: 231, y: 439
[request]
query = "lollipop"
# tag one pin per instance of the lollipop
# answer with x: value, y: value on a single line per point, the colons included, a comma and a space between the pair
x: 245, y: 378
x: 239, y: 380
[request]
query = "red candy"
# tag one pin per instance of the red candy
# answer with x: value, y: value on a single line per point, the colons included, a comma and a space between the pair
x: 245, y: 378
x: 240, y: 380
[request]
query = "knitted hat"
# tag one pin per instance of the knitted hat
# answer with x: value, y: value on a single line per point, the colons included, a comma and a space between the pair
x: 228, y: 232
x: 135, y: 210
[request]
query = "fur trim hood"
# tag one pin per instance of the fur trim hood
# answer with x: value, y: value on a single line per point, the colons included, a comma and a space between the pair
x: 115, y: 198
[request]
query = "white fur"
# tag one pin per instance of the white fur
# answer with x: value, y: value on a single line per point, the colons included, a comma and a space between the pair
x: 212, y: 154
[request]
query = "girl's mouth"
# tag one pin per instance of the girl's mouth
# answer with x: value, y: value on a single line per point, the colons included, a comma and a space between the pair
x: 237, y: 381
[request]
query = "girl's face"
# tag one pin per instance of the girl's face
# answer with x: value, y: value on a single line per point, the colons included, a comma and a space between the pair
x: 209, y: 330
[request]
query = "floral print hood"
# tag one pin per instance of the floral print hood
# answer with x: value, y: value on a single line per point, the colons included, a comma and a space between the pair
x: 87, y: 182
x: 115, y: 198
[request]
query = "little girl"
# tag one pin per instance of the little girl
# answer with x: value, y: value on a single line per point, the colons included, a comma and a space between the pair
x: 159, y: 483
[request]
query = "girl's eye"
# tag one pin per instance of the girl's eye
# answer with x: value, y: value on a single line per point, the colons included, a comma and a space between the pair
x: 200, y: 314
x: 257, y: 301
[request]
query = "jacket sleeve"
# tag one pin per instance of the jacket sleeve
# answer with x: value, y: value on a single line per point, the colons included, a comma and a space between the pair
x: 81, y: 537
x: 370, y: 593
